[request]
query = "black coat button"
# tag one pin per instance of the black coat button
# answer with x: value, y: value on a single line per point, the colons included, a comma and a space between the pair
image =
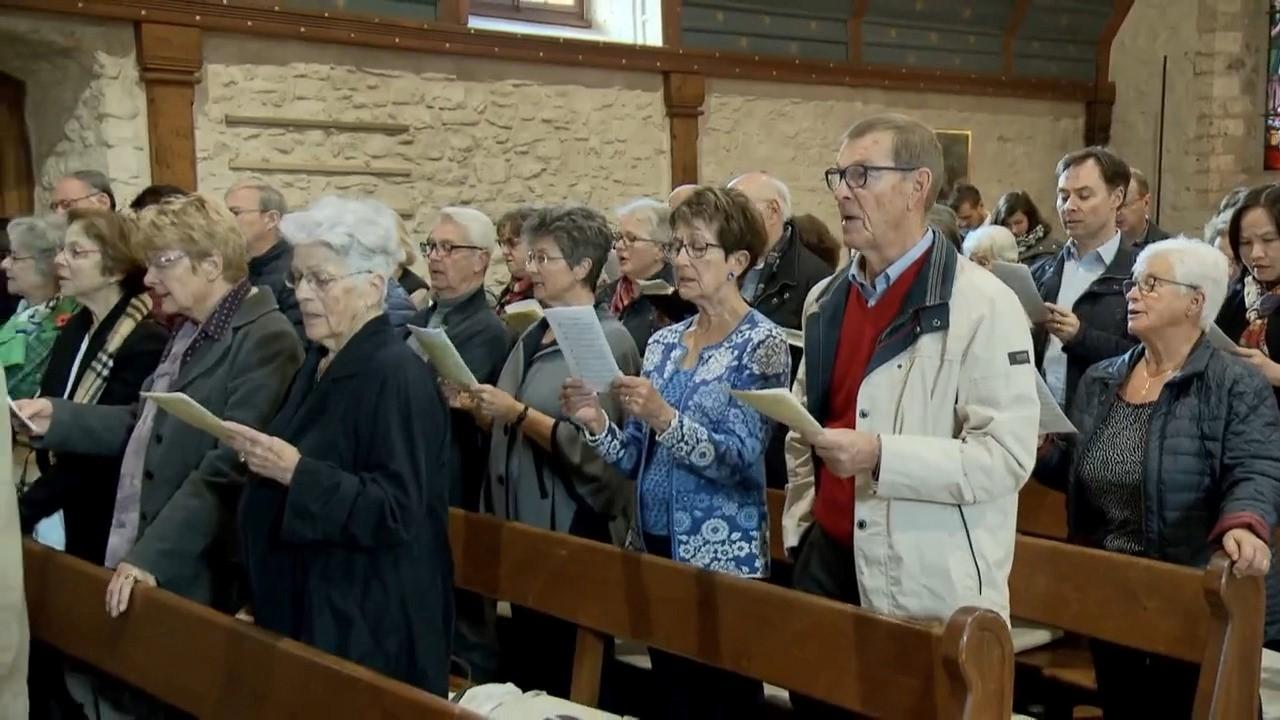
x: 864, y: 413
x: 862, y: 524
x: 159, y: 438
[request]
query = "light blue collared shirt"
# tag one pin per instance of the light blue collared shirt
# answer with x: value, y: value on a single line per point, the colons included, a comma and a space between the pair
x: 871, y: 291
x: 1078, y: 273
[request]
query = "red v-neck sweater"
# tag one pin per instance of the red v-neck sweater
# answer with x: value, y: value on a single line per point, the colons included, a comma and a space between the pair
x: 859, y: 332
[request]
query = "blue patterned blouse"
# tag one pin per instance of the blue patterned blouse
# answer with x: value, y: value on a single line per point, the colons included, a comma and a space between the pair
x: 702, y: 480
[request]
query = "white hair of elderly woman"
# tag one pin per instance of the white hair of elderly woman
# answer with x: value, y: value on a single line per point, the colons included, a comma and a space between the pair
x: 655, y: 215
x: 479, y: 228
x: 1194, y: 263
x: 994, y: 241
x: 361, y: 232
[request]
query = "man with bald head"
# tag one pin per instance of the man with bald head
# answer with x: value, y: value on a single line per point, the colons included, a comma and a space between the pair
x: 82, y: 189
x: 680, y: 194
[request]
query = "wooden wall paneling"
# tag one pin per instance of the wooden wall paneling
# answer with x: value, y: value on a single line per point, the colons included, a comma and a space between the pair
x: 453, y: 12
x: 671, y: 20
x: 1016, y: 17
x: 855, y: 30
x: 1097, y: 123
x: 256, y: 19
x: 684, y: 94
x: 17, y: 179
x: 170, y: 58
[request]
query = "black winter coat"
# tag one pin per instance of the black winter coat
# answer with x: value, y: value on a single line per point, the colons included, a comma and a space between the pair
x: 353, y: 556
x: 648, y: 313
x: 1212, y: 451
x: 270, y: 270
x: 1233, y: 321
x: 1102, y: 310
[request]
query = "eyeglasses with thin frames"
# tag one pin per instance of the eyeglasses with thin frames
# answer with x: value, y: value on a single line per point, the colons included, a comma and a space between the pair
x: 1148, y: 285
x: 320, y: 282
x: 538, y: 259
x: 166, y: 261
x: 68, y: 203
x: 624, y: 240
x: 855, y: 176
x: 78, y: 253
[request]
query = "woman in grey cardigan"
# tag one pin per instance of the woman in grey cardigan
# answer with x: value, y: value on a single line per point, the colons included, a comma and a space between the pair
x: 234, y: 354
x: 541, y: 471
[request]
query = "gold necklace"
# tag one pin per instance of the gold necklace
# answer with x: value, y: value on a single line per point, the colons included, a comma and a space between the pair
x: 1146, y: 367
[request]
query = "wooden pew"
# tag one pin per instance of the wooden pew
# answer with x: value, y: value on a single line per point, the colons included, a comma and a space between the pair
x: 201, y: 661
x: 1207, y: 616
x: 824, y: 649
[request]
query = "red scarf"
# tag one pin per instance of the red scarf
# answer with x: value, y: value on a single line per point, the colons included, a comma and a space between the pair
x: 623, y: 295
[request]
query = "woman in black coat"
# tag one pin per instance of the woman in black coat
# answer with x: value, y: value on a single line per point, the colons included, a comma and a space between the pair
x: 1176, y: 459
x: 1246, y: 317
x: 343, y: 524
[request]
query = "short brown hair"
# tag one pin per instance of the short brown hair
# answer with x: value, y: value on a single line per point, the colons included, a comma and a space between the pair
x: 735, y: 221
x: 197, y: 226
x: 914, y: 145
x: 1115, y: 172
x: 115, y: 237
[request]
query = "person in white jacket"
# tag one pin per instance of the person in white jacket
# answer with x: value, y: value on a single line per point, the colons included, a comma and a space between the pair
x: 918, y: 364
x: 14, y: 633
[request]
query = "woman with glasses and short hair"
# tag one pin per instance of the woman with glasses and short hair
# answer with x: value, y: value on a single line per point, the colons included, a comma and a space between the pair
x: 643, y: 233
x: 696, y: 452
x: 1176, y: 458
x: 541, y: 470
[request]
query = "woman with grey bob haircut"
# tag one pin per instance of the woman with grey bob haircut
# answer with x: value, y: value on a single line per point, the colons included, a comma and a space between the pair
x: 26, y: 339
x: 1175, y: 458
x: 541, y: 470
x: 350, y: 480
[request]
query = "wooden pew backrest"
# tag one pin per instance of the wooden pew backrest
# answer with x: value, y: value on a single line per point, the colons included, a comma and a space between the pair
x: 824, y: 649
x: 203, y: 662
x: 1209, y: 616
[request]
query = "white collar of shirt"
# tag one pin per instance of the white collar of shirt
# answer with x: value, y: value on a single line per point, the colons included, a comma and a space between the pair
x: 1106, y: 253
x: 872, y: 289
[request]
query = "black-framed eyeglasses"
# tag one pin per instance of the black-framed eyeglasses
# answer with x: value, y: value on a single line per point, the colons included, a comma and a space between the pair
x: 445, y: 248
x: 856, y: 176
x: 1147, y: 285
x: 697, y: 249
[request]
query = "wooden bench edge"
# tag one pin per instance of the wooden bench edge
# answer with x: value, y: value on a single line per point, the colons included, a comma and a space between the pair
x: 976, y: 654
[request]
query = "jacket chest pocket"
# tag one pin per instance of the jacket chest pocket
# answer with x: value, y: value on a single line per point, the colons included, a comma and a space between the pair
x: 926, y: 393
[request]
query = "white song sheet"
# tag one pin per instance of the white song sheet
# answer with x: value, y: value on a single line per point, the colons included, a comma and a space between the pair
x: 444, y: 356
x: 1052, y: 419
x: 1219, y: 339
x: 780, y: 405
x: 181, y: 406
x: 1018, y: 277
x: 521, y: 314
x: 585, y: 348
x: 657, y: 286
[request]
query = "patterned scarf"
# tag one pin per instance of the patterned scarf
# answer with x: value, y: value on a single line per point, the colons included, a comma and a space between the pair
x: 623, y: 295
x: 95, y: 375
x: 1031, y: 239
x: 1260, y: 302
x: 518, y: 290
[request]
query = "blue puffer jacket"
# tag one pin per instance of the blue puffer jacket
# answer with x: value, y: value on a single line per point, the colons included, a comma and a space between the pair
x: 716, y: 485
x: 1213, y: 454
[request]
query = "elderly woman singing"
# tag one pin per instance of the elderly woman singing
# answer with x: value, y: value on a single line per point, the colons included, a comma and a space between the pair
x: 696, y: 452
x: 343, y: 525
x: 1175, y: 459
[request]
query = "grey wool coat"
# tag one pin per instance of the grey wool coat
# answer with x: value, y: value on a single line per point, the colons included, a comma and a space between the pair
x: 569, y: 488
x: 190, y: 483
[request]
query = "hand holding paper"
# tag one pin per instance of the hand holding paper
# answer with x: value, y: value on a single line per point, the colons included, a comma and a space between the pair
x: 444, y: 356
x: 26, y: 422
x: 780, y: 405
x: 585, y: 348
x: 190, y: 412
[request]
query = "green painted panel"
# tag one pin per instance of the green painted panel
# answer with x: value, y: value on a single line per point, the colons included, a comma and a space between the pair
x: 779, y: 47
x: 762, y: 24
x: 424, y: 10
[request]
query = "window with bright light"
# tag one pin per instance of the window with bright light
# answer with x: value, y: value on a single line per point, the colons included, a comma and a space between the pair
x: 554, y: 12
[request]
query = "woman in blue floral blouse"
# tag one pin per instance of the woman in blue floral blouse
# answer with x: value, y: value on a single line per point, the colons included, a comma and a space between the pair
x: 697, y: 452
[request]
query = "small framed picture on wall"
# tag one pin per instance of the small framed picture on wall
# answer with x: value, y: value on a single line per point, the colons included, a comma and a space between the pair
x: 955, y: 157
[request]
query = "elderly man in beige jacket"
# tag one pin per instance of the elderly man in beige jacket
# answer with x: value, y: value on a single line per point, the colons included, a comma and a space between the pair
x: 13, y: 601
x: 918, y: 365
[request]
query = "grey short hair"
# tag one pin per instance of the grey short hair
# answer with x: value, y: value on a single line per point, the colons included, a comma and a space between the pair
x: 914, y: 145
x: 1217, y: 227
x: 656, y: 215
x: 579, y: 233
x: 97, y: 181
x: 38, y: 236
x: 361, y: 232
x: 994, y: 240
x: 269, y: 198
x: 1194, y: 263
x: 480, y: 230
x: 943, y: 219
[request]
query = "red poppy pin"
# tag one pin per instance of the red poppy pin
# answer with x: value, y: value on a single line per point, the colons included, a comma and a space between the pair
x: 62, y: 320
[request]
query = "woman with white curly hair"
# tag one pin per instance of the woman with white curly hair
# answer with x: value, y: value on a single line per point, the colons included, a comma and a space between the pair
x: 343, y: 522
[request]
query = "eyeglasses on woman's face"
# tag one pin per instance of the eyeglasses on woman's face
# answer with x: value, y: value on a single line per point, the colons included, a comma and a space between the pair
x: 696, y: 248
x: 623, y: 240
x: 538, y: 258
x: 78, y: 253
x: 165, y: 260
x: 318, y: 280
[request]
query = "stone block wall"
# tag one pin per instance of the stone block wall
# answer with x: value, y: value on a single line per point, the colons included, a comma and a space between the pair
x: 794, y: 132
x: 485, y: 133
x: 86, y: 107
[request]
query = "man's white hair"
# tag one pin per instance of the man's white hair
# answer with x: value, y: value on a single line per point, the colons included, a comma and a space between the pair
x: 1194, y: 263
x: 479, y: 229
x: 781, y: 192
x: 994, y: 240
x: 359, y: 231
x: 656, y: 216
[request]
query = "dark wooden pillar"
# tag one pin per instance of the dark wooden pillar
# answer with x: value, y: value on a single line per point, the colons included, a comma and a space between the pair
x: 170, y: 58
x: 453, y: 12
x: 684, y: 94
x: 671, y: 22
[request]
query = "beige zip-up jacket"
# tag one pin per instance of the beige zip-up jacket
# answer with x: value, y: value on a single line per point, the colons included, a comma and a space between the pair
x: 14, y: 632
x: 951, y: 391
